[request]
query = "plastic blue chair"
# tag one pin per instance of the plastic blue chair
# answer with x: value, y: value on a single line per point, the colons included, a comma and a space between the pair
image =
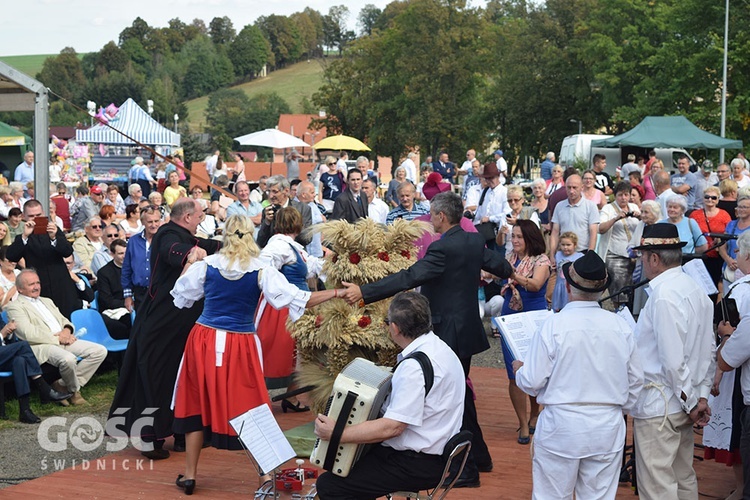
x: 4, y: 315
x: 97, y: 332
x: 95, y: 303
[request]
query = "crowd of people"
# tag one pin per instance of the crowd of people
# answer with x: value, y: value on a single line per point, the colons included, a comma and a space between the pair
x: 203, y: 286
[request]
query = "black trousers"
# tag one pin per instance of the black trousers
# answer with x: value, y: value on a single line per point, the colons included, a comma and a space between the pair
x: 119, y: 329
x: 17, y: 357
x: 745, y: 450
x: 382, y: 470
x: 479, y: 453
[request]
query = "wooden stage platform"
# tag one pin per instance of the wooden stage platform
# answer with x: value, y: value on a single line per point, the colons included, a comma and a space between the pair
x: 224, y: 474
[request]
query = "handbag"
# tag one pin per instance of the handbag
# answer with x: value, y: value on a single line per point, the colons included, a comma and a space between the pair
x: 488, y: 230
x: 516, y: 302
x: 726, y: 310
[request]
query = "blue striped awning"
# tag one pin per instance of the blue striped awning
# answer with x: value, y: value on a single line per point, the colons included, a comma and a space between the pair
x: 132, y: 120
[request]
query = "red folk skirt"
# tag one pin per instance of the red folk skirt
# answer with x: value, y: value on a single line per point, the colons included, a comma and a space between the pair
x: 278, y: 347
x: 207, y: 396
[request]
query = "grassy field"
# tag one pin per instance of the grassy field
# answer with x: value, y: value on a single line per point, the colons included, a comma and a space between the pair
x: 292, y: 83
x: 31, y: 65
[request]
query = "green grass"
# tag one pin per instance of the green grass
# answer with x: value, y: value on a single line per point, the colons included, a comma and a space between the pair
x: 31, y: 65
x: 99, y: 392
x: 292, y: 83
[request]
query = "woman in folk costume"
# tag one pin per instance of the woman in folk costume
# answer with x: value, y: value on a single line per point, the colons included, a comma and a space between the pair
x: 285, y: 254
x: 221, y: 375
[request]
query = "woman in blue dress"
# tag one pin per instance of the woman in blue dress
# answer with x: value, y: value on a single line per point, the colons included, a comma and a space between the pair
x: 285, y: 254
x: 221, y: 375
x: 525, y: 291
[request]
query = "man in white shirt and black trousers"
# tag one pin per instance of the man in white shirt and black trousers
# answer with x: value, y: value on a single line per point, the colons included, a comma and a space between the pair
x: 583, y: 366
x: 415, y: 427
x: 676, y: 345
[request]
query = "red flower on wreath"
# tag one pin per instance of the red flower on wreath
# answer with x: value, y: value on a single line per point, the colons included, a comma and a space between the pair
x: 318, y: 321
x: 383, y: 256
x: 354, y: 258
x: 335, y: 258
x: 406, y: 254
x: 364, y: 322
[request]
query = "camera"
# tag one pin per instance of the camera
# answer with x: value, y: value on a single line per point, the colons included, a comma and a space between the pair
x: 629, y: 214
x: 275, y: 208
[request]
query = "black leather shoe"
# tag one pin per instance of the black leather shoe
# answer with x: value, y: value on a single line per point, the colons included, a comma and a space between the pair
x: 186, y: 484
x: 485, y: 467
x: 467, y: 482
x: 179, y: 447
x: 52, y: 396
x: 156, y: 454
x: 28, y: 417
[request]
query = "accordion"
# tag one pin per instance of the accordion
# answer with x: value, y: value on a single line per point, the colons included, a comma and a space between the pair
x: 358, y: 394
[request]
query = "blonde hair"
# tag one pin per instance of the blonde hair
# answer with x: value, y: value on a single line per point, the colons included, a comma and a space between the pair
x: 569, y: 235
x: 727, y: 187
x: 712, y: 189
x: 516, y: 189
x: 239, y: 245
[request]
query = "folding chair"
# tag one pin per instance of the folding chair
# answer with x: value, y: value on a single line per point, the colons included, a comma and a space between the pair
x: 457, y: 448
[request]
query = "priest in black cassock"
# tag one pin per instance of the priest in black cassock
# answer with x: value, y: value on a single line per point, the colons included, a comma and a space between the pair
x: 160, y: 331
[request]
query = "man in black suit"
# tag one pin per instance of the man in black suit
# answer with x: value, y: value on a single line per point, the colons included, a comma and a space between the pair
x: 111, y: 296
x: 45, y: 253
x: 279, y: 196
x: 351, y: 205
x: 449, y: 275
x: 444, y: 167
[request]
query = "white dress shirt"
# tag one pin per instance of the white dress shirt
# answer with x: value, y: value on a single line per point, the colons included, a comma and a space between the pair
x: 47, y: 316
x: 432, y: 420
x: 411, y: 169
x: 377, y: 210
x: 495, y: 206
x: 736, y: 350
x: 675, y: 340
x: 583, y: 366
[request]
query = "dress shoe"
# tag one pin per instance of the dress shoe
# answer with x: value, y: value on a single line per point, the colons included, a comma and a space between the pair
x: 50, y: 395
x: 156, y: 454
x: 56, y: 385
x: 287, y: 405
x: 186, y: 484
x: 485, y: 467
x: 467, y: 482
x: 28, y: 417
x: 77, y: 399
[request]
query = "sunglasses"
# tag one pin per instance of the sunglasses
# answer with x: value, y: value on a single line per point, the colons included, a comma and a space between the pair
x: 709, y: 197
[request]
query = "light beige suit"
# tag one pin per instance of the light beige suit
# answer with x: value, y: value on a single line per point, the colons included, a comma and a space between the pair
x: 30, y: 326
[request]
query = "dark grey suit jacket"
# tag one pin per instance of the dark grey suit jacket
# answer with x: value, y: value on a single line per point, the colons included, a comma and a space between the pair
x: 449, y: 275
x: 266, y: 227
x: 346, y: 208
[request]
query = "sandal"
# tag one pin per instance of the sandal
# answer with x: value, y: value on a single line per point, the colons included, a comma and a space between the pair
x: 495, y: 334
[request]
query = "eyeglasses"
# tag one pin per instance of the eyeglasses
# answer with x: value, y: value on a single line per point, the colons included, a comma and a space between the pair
x: 387, y: 321
x: 111, y: 235
x: 98, y: 226
x: 709, y: 197
x: 514, y: 200
x: 742, y: 208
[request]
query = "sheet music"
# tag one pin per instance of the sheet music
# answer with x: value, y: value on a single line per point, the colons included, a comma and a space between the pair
x: 696, y: 269
x: 518, y: 330
x: 625, y: 314
x: 262, y: 436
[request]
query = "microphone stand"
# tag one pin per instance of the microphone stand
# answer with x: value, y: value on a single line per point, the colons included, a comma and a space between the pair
x: 628, y: 289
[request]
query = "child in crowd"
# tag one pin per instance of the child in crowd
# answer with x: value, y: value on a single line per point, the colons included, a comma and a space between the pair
x: 566, y: 253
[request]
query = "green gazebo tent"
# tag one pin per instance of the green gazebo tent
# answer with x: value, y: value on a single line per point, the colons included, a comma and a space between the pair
x: 667, y: 132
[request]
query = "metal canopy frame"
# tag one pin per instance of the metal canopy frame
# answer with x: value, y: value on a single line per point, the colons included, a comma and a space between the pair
x: 20, y: 92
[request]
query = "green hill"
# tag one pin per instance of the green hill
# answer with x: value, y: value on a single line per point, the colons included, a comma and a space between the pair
x: 31, y: 65
x: 292, y: 83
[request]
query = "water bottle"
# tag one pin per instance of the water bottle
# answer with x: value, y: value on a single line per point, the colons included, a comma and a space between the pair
x: 81, y: 332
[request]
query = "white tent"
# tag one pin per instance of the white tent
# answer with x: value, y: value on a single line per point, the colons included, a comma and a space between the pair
x: 132, y: 120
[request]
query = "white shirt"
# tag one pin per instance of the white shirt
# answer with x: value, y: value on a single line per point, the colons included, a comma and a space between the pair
x: 583, y: 366
x: 661, y: 199
x: 495, y: 206
x: 211, y: 164
x: 411, y: 169
x: 736, y: 350
x: 473, y: 195
x: 433, y: 420
x: 675, y: 341
x: 502, y: 166
x: 53, y: 325
x: 342, y: 167
x: 377, y: 210
x: 315, y: 247
x: 745, y: 181
x: 278, y: 252
x: 617, y: 239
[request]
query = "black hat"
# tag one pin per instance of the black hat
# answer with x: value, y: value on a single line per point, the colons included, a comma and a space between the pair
x: 588, y: 270
x: 661, y: 236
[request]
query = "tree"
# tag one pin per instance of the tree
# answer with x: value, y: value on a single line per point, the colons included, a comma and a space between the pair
x: 116, y: 87
x: 226, y: 112
x: 264, y: 111
x: 138, y: 31
x: 207, y: 69
x: 64, y: 74
x: 309, y: 25
x: 334, y: 27
x: 368, y: 16
x: 284, y: 38
x: 221, y: 30
x: 249, y: 51
x: 111, y: 58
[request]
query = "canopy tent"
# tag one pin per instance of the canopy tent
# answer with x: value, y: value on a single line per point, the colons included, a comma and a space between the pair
x: 10, y: 136
x: 132, y: 120
x: 667, y: 132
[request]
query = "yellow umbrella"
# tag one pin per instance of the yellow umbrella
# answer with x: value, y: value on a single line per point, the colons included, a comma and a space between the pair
x: 342, y: 142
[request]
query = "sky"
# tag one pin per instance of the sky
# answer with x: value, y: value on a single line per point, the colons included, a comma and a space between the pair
x: 48, y: 26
